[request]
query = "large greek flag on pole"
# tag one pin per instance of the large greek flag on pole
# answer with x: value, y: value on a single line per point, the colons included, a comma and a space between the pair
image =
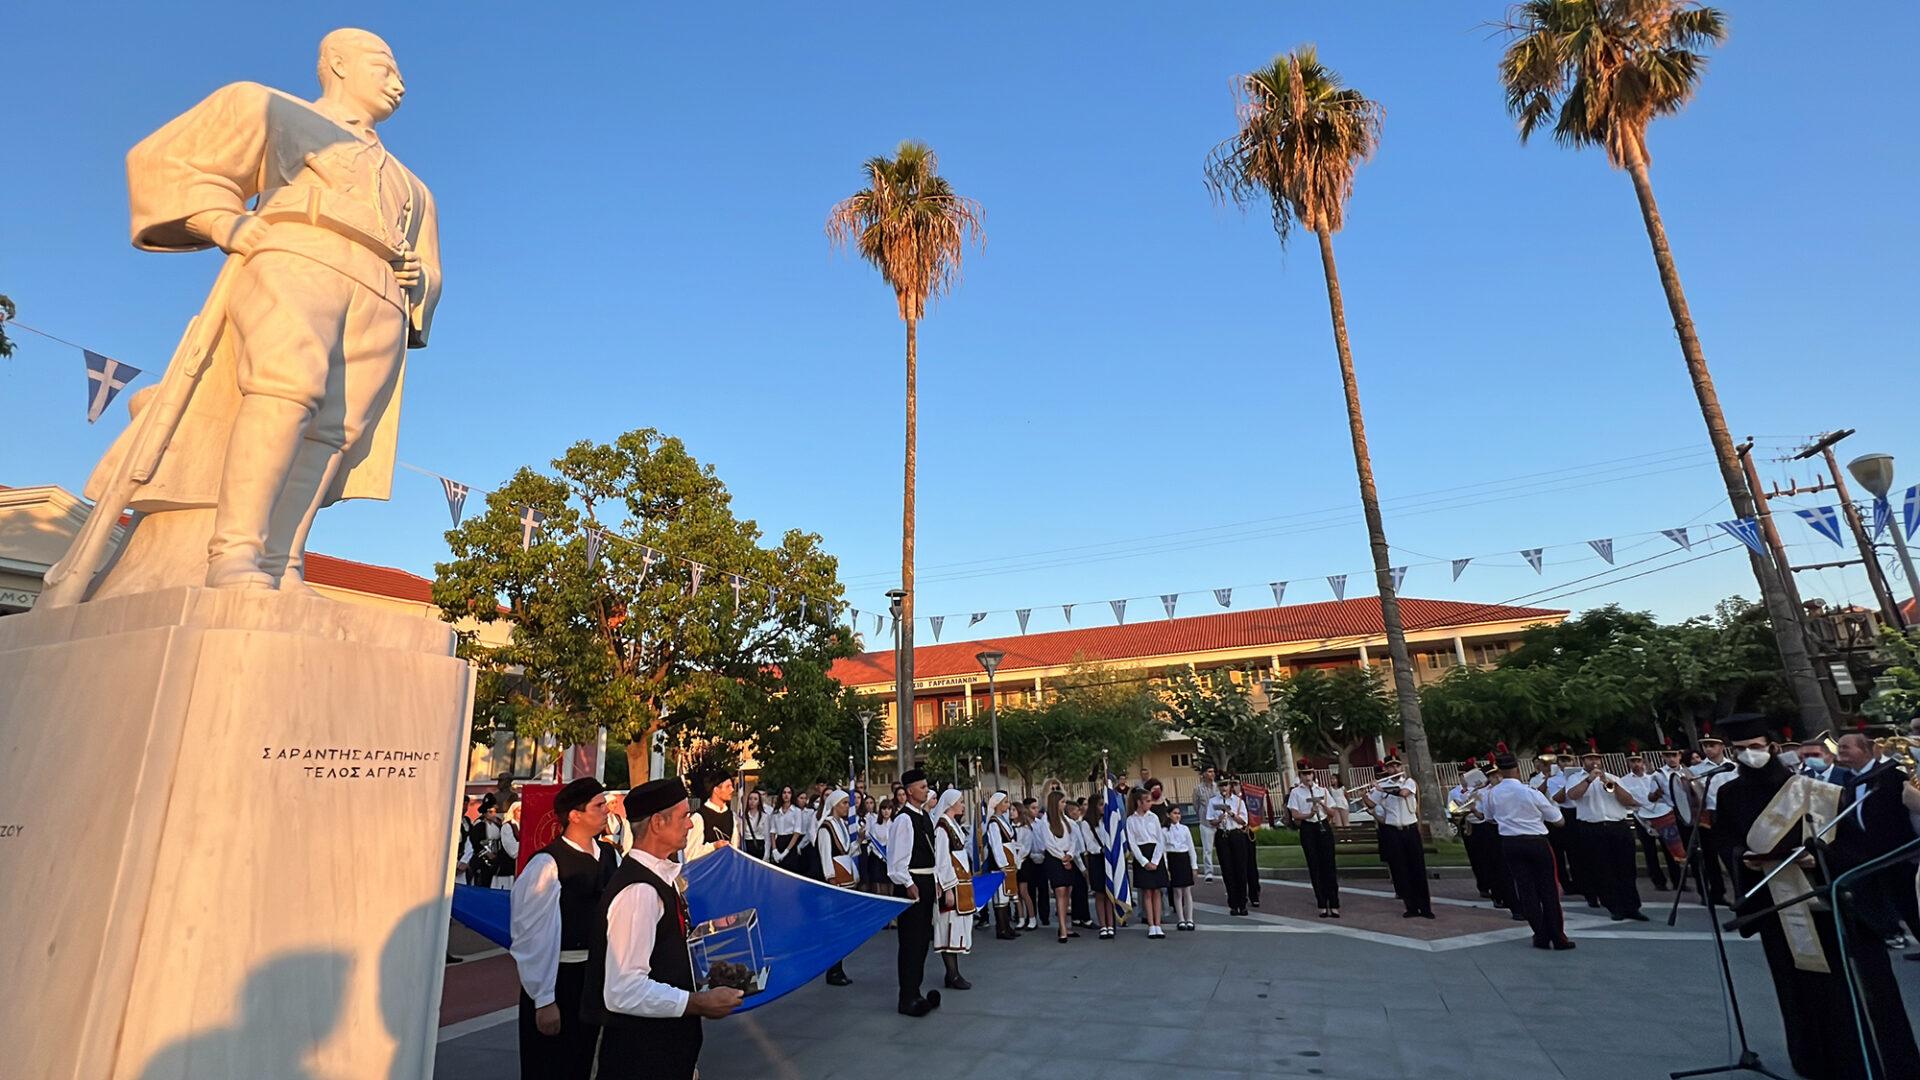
x: 1114, y: 820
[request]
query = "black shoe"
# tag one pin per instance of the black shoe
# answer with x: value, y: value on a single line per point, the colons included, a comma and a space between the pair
x: 917, y: 1007
x: 1256, y: 902
x: 933, y: 996
x: 1634, y: 916
x: 1323, y: 913
x: 957, y: 982
x: 1517, y: 917
x: 1542, y: 944
x: 1006, y: 935
x: 1409, y: 914
x: 1593, y: 902
x: 838, y: 978
x: 1336, y: 913
x: 1426, y: 914
x: 1562, y: 944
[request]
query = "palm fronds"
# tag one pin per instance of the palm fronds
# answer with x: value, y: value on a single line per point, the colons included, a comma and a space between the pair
x: 909, y: 224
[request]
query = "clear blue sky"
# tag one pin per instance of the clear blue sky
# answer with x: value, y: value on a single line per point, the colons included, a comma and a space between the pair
x: 631, y: 207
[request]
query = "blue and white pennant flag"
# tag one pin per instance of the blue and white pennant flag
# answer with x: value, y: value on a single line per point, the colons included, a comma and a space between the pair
x: 1910, y: 509
x: 1459, y: 566
x: 1824, y: 520
x: 1338, y: 582
x: 937, y: 621
x: 1399, y: 574
x: 1882, y: 517
x: 106, y: 377
x: 738, y: 583
x: 1066, y: 612
x: 530, y: 520
x: 1022, y: 614
x: 1279, y: 592
x: 1119, y: 611
x: 595, y: 536
x: 456, y: 498
x: 1602, y: 548
x: 1745, y: 530
x: 978, y: 616
x: 1223, y: 597
x: 1679, y: 536
x: 1533, y: 557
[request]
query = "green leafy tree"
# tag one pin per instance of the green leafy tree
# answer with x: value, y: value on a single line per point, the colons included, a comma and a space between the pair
x: 1331, y: 713
x: 1597, y: 73
x: 630, y: 643
x: 7, y: 311
x: 1218, y: 714
x: 1897, y: 701
x: 1091, y: 709
x: 1302, y: 137
x: 913, y: 228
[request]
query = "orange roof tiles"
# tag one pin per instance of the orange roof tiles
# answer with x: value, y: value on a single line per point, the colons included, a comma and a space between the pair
x: 1320, y: 622
x: 367, y: 578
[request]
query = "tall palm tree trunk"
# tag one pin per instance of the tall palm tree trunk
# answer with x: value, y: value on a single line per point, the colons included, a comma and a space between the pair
x: 1788, y: 630
x: 903, y: 656
x: 1413, y: 728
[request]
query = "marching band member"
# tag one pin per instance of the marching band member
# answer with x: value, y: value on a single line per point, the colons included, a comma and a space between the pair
x: 911, y: 866
x: 998, y: 850
x: 1145, y: 839
x: 953, y: 879
x: 1396, y: 804
x: 1578, y: 832
x: 1709, y: 776
x: 640, y: 984
x: 1179, y: 851
x: 555, y: 906
x: 1649, y: 817
x: 1605, y: 807
x: 1060, y: 843
x: 713, y: 822
x: 1462, y: 794
x: 1307, y: 803
x: 1524, y: 814
x: 1548, y: 780
x: 1235, y: 846
x: 839, y: 866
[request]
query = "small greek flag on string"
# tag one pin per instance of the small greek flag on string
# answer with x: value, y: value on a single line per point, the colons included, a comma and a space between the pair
x: 1882, y: 516
x: 1679, y: 536
x: 456, y: 498
x: 1223, y: 597
x: 1399, y: 574
x: 1022, y: 614
x: 1119, y: 611
x: 106, y: 377
x: 1824, y: 520
x: 1910, y: 509
x: 738, y: 583
x: 879, y: 622
x: 937, y: 621
x: 1066, y: 611
x: 893, y: 626
x: 1460, y: 566
x: 1279, y: 592
x: 1603, y: 548
x: 977, y: 618
x: 1338, y: 582
x: 1532, y: 555
x: 530, y: 520
x: 647, y: 558
x: 803, y: 607
x: 1169, y: 601
x: 594, y: 538
x: 697, y: 571
x: 1745, y: 530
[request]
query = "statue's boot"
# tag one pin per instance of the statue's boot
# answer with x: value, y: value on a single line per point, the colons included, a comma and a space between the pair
x: 285, y: 560
x: 267, y: 435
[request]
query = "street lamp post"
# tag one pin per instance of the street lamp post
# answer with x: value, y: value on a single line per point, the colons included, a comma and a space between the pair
x: 902, y: 691
x: 989, y: 660
x: 1875, y: 473
x: 866, y: 748
x: 1282, y: 761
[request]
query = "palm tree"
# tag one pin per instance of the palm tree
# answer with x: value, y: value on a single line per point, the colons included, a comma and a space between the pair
x: 910, y: 225
x: 1302, y: 134
x: 1596, y: 73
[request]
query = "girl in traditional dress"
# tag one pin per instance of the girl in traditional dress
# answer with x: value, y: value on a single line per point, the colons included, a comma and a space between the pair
x: 873, y: 850
x: 998, y: 852
x: 755, y: 820
x: 838, y: 864
x: 953, y: 876
x: 1145, y: 841
x: 509, y: 843
x: 1179, y: 852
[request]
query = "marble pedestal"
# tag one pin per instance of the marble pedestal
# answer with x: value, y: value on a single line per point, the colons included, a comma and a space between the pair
x: 226, y: 837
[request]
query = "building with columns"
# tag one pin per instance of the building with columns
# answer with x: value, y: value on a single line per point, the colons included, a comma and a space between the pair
x: 1259, y: 643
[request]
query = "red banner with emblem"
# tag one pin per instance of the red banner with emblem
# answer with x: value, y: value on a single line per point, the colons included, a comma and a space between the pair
x: 1256, y: 800
x: 538, y: 826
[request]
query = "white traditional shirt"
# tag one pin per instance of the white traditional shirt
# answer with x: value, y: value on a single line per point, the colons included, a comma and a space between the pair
x: 535, y: 924
x: 833, y: 829
x: 1063, y: 848
x: 1519, y: 810
x: 900, y: 846
x: 1301, y: 801
x: 696, y: 836
x: 631, y: 920
x: 1396, y: 802
x: 946, y: 848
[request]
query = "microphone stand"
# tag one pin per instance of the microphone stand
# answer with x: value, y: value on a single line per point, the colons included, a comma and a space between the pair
x: 1748, y: 1061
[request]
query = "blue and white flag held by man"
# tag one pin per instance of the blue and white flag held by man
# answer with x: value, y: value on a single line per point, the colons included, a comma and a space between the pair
x: 1113, y: 819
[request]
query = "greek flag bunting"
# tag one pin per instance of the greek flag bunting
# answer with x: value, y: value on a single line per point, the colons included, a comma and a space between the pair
x: 1824, y: 520
x: 1279, y: 592
x: 648, y: 557
x: 106, y: 377
x: 1022, y: 614
x: 803, y: 607
x: 594, y: 537
x: 1223, y: 597
x: 1532, y: 555
x: 879, y: 622
x: 1602, y: 548
x: 937, y: 621
x: 1119, y: 611
x: 893, y: 627
x: 1882, y: 515
x: 456, y: 498
x: 1066, y: 611
x: 1679, y: 536
x: 530, y: 520
x: 738, y: 583
x: 697, y: 571
x: 1745, y: 530
x: 1910, y: 509
x: 1459, y: 567
x: 1169, y: 601
x: 1338, y: 582
x: 1399, y: 574
x: 976, y: 619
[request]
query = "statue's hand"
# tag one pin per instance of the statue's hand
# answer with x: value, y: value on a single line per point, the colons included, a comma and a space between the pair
x: 407, y: 273
x: 246, y: 233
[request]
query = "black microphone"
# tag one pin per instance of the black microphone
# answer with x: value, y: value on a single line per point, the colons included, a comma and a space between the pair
x: 1725, y: 766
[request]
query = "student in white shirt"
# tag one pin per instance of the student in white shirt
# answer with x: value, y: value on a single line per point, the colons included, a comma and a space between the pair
x: 1093, y: 846
x: 1523, y: 815
x: 1028, y: 917
x: 755, y: 821
x: 788, y: 823
x: 1146, y: 838
x: 1081, y: 899
x: 1059, y: 844
x: 1179, y: 854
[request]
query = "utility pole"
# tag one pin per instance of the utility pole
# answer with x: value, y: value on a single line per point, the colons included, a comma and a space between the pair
x: 1876, y: 575
x: 1817, y: 708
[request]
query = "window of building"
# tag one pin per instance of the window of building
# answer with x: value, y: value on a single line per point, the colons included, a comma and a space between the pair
x: 1440, y: 661
x: 1183, y: 761
x: 952, y: 711
x: 1488, y: 652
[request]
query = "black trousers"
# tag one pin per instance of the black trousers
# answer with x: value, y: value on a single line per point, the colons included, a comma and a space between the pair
x: 1561, y: 840
x: 1407, y: 862
x: 1077, y: 902
x: 1610, y: 861
x: 1503, y: 892
x: 1655, y: 850
x: 1479, y: 840
x: 1580, y: 858
x: 1536, y: 887
x: 1237, y: 869
x: 1316, y: 845
x: 916, y: 937
x: 568, y: 1055
x: 652, y: 1050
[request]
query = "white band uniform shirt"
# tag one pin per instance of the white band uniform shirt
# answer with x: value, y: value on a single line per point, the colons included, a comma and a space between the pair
x: 1396, y: 802
x: 1597, y: 804
x: 1644, y: 788
x: 1229, y: 813
x: 1308, y: 802
x: 1519, y: 810
x: 630, y: 924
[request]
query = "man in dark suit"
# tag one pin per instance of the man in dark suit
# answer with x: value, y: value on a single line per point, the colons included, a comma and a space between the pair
x: 1880, y: 825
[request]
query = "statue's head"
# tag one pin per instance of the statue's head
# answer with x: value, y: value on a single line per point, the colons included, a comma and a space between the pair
x: 359, y: 69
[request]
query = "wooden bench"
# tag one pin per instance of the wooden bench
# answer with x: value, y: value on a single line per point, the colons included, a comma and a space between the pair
x: 1363, y: 840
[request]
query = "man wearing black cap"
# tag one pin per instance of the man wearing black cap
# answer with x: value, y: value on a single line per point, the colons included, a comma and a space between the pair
x: 1758, y: 819
x: 1307, y: 803
x: 910, y: 865
x: 556, y: 912
x: 712, y: 825
x: 1605, y: 809
x: 1524, y: 816
x: 1396, y: 806
x: 640, y: 985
